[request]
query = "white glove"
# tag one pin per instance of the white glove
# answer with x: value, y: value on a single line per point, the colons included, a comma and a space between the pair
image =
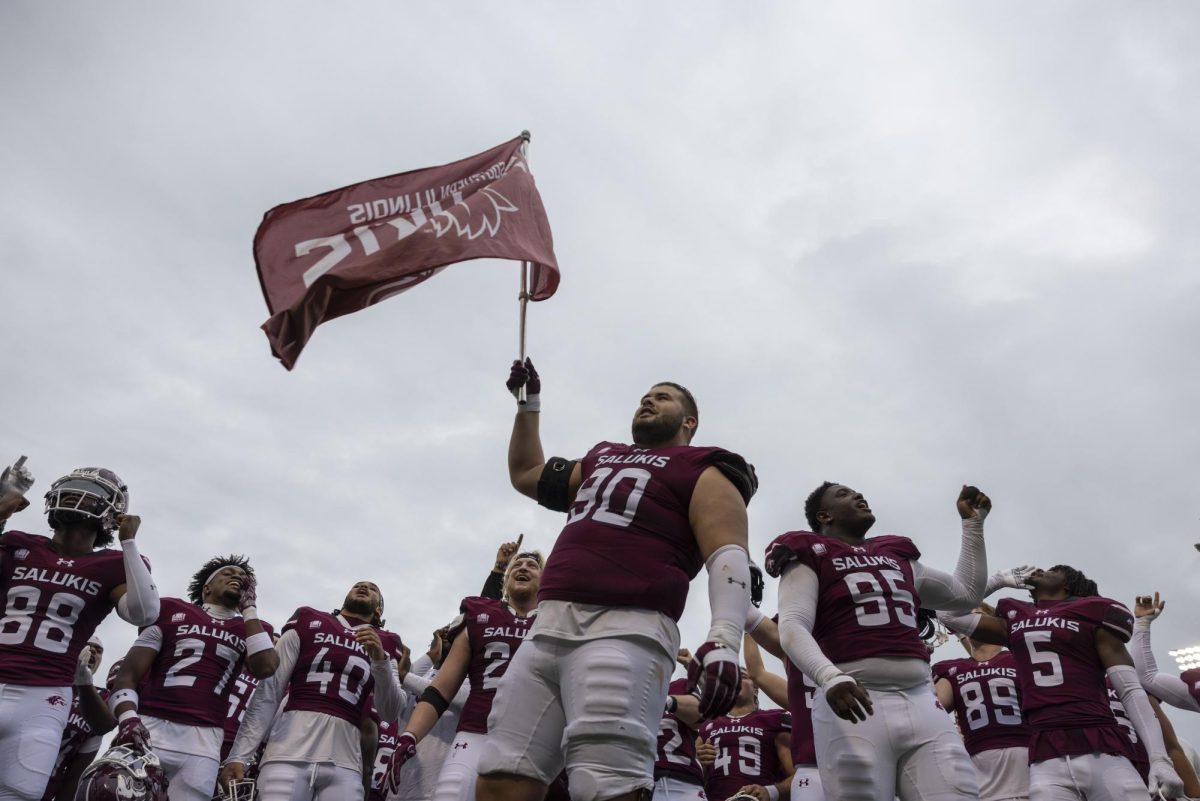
x: 1015, y: 577
x: 83, y: 675
x: 1164, y: 781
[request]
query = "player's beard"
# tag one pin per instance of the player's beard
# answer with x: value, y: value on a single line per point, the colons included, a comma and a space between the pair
x: 654, y: 431
x: 360, y: 607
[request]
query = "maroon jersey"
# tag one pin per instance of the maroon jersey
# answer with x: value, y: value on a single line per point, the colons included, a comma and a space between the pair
x: 677, y: 745
x: 800, y: 693
x: 987, y: 703
x: 1140, y: 757
x: 388, y: 732
x: 241, y: 690
x: 867, y: 603
x: 1063, y: 696
x: 495, y: 632
x: 52, y: 605
x: 1192, y: 679
x: 746, y: 752
x: 628, y: 540
x: 78, y: 732
x: 332, y: 673
x: 190, y: 677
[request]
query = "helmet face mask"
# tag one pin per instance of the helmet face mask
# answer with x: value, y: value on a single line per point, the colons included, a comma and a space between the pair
x: 123, y: 774
x: 241, y: 790
x: 89, y: 493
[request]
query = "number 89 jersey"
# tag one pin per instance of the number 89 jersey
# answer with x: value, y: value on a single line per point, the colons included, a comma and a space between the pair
x: 332, y: 674
x: 867, y: 599
x: 628, y: 541
x: 495, y: 633
x: 51, y: 605
x: 987, y: 703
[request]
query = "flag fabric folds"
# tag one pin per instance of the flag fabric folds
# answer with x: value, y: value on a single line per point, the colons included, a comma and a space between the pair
x: 341, y: 251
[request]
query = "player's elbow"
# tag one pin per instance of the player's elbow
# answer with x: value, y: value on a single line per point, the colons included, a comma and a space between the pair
x: 263, y: 664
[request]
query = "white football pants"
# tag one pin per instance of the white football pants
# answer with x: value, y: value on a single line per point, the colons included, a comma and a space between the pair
x: 32, y: 720
x: 300, y: 781
x: 1095, y: 777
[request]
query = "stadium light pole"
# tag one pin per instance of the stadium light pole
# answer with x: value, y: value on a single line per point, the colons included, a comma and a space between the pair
x: 1186, y: 658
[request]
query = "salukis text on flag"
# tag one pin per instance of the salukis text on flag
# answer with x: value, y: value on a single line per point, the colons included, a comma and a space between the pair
x: 341, y: 251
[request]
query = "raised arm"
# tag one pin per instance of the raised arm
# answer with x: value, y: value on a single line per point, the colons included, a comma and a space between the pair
x: 1171, y: 689
x: 978, y: 626
x: 137, y: 598
x: 774, y: 686
x: 526, y: 460
x: 964, y: 589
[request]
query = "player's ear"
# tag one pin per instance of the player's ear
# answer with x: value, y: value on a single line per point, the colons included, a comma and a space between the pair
x: 691, y: 424
x: 824, y: 517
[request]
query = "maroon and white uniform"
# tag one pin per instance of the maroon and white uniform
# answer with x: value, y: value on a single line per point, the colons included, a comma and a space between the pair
x: 241, y: 690
x: 851, y: 610
x: 746, y: 752
x: 606, y: 635
x: 315, y: 741
x: 677, y: 772
x: 51, y: 605
x: 389, y: 730
x: 495, y: 632
x: 77, y: 738
x: 1140, y: 758
x: 987, y: 705
x: 1077, y: 746
x: 987, y: 701
x: 806, y: 780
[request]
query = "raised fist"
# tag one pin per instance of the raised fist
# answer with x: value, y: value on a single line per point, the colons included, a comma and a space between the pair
x: 973, y: 504
x: 127, y: 526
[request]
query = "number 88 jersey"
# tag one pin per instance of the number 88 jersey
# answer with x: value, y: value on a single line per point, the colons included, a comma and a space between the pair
x: 50, y: 606
x: 867, y: 598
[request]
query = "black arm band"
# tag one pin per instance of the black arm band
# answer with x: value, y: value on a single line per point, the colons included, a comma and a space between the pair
x: 672, y: 704
x: 436, y: 700
x: 554, y: 484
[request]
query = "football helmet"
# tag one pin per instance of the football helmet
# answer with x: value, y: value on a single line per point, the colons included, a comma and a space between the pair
x: 88, y: 493
x: 123, y: 774
x: 241, y: 790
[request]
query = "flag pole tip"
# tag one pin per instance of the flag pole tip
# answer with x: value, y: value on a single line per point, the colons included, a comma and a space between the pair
x: 526, y: 135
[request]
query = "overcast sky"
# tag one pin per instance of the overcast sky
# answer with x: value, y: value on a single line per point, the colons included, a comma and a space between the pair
x: 899, y: 246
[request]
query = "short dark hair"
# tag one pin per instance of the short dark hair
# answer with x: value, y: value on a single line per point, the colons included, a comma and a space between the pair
x: 812, y: 505
x: 200, y: 578
x: 1077, y: 584
x: 689, y: 400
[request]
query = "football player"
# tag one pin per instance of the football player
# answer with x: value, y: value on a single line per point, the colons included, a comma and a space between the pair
x: 90, y: 719
x: 1065, y: 643
x: 753, y: 750
x: 56, y: 591
x: 678, y: 774
x: 1181, y: 691
x: 314, y: 750
x: 491, y: 634
x: 588, y: 687
x: 184, y: 665
x: 981, y: 692
x: 848, y: 619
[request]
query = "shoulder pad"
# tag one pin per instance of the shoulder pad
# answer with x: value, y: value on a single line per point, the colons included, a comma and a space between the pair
x: 941, y: 670
x: 739, y: 472
x: 1106, y: 613
x: 895, y: 545
x: 294, y: 620
x: 794, y: 546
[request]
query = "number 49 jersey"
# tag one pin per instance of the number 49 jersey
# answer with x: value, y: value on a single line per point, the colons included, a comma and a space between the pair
x: 746, y: 751
x: 987, y: 703
x: 51, y: 606
x: 332, y: 673
x: 495, y: 632
x: 628, y: 541
x: 867, y: 603
x: 198, y: 655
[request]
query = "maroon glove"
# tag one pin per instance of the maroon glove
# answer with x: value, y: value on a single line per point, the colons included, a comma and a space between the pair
x: 133, y: 734
x: 525, y: 375
x: 713, y: 676
x: 406, y: 749
x: 249, y: 594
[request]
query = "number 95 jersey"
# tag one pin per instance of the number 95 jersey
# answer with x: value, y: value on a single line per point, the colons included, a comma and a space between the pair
x: 628, y: 541
x: 51, y: 606
x: 867, y: 600
x: 332, y: 674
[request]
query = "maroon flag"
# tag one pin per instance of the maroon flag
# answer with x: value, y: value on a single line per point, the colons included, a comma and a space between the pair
x: 342, y: 251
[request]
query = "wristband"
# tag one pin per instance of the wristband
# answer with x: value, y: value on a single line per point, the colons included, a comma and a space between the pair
x: 672, y: 704
x: 126, y: 715
x: 120, y: 697
x: 772, y: 792
x: 533, y: 403
x: 250, y: 613
x: 257, y: 643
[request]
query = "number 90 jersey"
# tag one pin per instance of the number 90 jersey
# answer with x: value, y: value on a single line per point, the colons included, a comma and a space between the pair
x: 867, y: 599
x: 987, y: 703
x: 332, y: 674
x: 628, y: 541
x: 495, y: 633
x: 1063, y: 695
x: 51, y: 605
x: 746, y: 752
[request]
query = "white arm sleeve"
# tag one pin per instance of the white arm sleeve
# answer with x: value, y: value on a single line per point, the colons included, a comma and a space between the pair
x: 139, y: 604
x: 390, y: 697
x: 798, y: 588
x: 260, y: 712
x: 962, y: 591
x: 421, y: 665
x: 151, y: 637
x: 728, y: 594
x: 1124, y: 680
x: 1168, y: 689
x: 960, y: 624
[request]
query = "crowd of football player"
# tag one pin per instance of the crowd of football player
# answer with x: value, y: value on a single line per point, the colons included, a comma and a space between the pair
x: 555, y: 680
